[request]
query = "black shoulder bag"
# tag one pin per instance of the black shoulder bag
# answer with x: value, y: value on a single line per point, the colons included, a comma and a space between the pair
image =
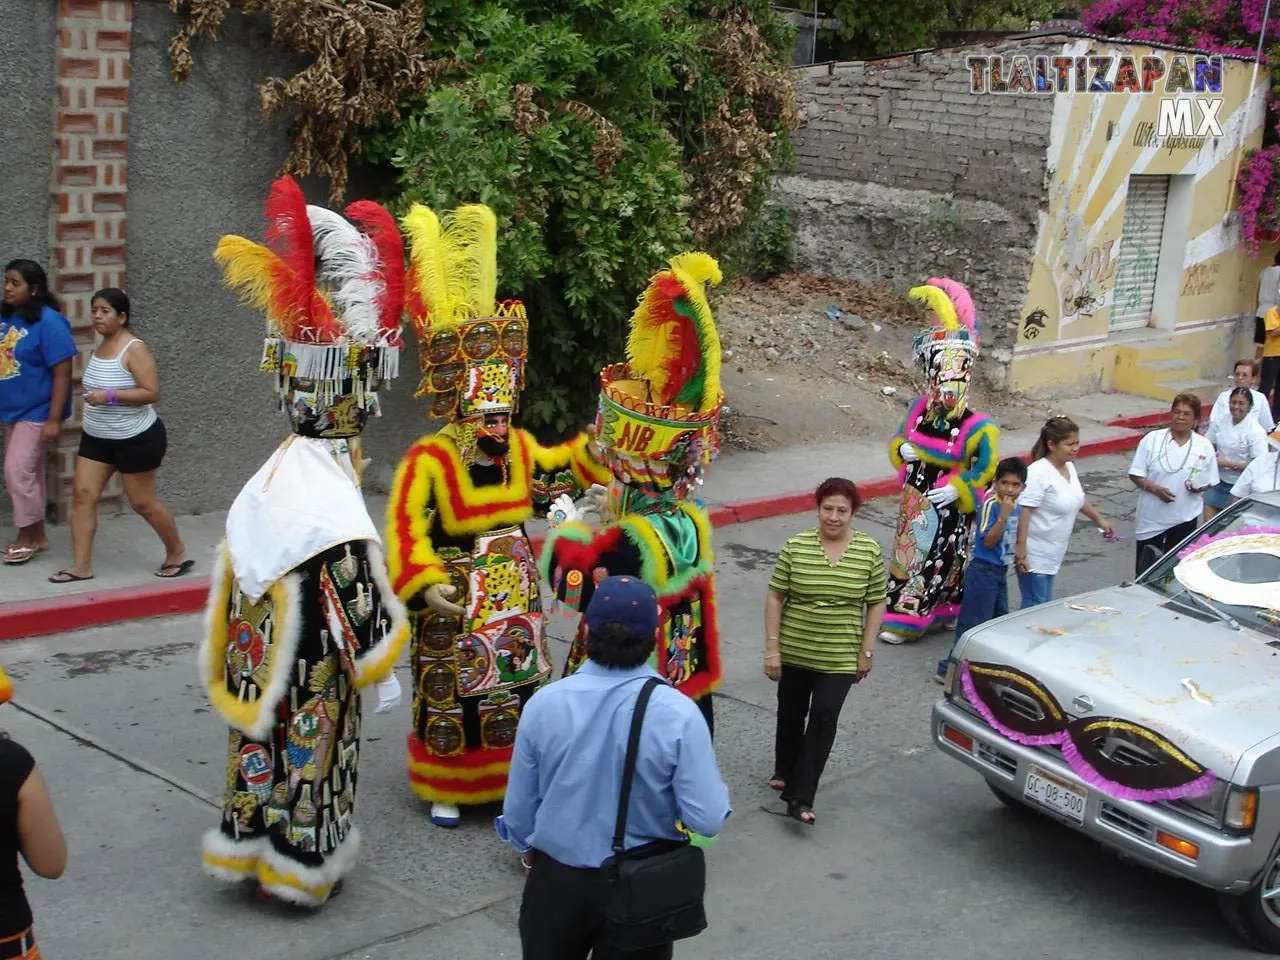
x: 655, y: 890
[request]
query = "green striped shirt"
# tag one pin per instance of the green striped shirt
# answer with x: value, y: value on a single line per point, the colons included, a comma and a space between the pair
x: 825, y: 604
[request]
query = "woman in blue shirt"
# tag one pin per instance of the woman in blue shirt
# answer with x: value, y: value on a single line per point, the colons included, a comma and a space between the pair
x: 36, y: 350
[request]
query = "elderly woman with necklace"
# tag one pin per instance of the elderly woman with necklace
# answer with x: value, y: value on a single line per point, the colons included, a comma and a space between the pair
x: 1172, y: 468
x: 824, y: 607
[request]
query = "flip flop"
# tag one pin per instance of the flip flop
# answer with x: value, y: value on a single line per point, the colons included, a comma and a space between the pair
x: 66, y: 576
x: 19, y: 555
x: 178, y: 569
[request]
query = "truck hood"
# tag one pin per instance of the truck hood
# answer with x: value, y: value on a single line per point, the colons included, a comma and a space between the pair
x: 1132, y: 665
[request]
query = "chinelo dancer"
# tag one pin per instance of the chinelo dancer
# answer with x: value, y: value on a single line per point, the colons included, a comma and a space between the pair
x: 658, y: 424
x: 946, y: 456
x: 458, y: 552
x: 301, y: 615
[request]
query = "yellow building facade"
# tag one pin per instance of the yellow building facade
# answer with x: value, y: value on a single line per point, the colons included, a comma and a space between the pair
x: 1139, y: 282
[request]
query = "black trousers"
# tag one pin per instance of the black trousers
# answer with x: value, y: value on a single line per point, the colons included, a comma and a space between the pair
x: 801, y: 749
x: 562, y: 915
x: 1151, y: 549
x: 1267, y: 381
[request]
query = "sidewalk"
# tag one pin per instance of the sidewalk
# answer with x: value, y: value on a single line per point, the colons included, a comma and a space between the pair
x: 740, y: 487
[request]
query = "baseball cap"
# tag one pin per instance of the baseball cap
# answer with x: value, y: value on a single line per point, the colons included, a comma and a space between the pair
x: 627, y: 601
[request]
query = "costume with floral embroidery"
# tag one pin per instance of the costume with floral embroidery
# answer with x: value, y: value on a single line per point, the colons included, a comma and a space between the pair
x: 950, y: 458
x: 301, y: 615
x: 658, y: 425
x: 456, y: 517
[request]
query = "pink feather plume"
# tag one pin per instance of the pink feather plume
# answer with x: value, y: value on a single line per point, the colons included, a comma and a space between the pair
x: 960, y: 299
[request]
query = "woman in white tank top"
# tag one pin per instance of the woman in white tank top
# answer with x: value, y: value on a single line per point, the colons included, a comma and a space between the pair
x: 120, y: 433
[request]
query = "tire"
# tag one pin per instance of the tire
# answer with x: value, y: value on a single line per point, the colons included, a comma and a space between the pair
x: 1013, y: 803
x: 1254, y: 918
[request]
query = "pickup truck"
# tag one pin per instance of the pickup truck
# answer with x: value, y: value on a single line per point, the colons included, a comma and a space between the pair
x: 1146, y: 715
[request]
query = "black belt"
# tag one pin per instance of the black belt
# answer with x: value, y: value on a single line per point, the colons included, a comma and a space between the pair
x: 17, y: 945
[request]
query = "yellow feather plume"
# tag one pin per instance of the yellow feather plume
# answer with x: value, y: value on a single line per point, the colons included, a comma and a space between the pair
x: 937, y: 301
x: 655, y: 344
x: 455, y: 263
x: 255, y: 272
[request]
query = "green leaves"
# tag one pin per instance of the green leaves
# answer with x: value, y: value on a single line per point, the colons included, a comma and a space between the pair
x: 587, y: 127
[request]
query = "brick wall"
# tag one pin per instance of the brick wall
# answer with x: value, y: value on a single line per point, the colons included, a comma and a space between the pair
x: 903, y: 174
x: 90, y: 186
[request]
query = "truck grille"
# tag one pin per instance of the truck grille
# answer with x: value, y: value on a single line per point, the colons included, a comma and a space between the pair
x: 1021, y: 704
x: 1126, y: 822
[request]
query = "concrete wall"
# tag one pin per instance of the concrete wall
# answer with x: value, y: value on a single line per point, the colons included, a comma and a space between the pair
x: 26, y: 152
x: 201, y: 159
x: 903, y: 174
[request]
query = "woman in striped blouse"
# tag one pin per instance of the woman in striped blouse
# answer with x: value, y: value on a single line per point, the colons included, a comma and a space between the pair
x: 826, y: 600
x: 120, y: 432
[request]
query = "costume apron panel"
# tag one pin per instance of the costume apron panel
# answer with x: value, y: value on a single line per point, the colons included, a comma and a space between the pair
x: 473, y: 675
x: 930, y: 546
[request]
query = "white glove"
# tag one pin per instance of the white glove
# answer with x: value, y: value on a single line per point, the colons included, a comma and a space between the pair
x: 388, y: 694
x: 942, y: 496
x: 908, y: 453
x: 563, y: 510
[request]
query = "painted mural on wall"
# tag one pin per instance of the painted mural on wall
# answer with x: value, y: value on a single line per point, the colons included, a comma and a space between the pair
x: 1086, y: 270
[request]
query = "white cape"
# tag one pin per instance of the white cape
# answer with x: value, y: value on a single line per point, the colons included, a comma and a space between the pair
x: 301, y: 502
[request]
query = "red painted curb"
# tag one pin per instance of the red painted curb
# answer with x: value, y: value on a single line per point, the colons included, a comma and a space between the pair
x: 95, y: 608
x: 1141, y: 421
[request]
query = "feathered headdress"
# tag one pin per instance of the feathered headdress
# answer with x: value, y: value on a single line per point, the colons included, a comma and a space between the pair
x: 673, y: 344
x: 658, y: 420
x: 955, y: 322
x: 327, y: 289
x: 472, y: 348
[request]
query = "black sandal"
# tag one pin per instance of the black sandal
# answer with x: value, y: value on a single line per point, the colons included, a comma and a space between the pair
x: 177, y: 569
x: 796, y: 812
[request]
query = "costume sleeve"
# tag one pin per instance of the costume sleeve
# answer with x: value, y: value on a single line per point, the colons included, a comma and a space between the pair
x: 574, y: 548
x: 982, y: 454
x: 573, y: 457
x: 411, y: 557
x: 365, y: 619
x: 900, y: 437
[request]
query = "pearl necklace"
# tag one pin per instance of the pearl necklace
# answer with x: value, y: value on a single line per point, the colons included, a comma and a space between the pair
x: 1164, y: 454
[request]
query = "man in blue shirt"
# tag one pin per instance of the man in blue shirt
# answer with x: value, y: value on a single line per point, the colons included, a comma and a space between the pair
x: 986, y: 579
x: 566, y: 776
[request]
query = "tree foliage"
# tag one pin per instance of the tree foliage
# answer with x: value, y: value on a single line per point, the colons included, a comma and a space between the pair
x: 873, y: 28
x: 607, y: 137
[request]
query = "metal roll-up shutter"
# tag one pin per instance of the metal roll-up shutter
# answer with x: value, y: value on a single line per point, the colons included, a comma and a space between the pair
x: 1135, y: 289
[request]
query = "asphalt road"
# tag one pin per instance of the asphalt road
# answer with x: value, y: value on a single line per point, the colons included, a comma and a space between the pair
x: 911, y: 857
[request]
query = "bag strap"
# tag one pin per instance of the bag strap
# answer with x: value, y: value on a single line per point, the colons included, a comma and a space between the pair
x: 629, y: 765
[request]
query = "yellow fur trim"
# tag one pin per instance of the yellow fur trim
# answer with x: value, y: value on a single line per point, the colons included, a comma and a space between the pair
x: 458, y: 799
x: 575, y: 454
x: 895, y: 452
x: 407, y: 526
x: 937, y: 300
x: 657, y: 573
x: 269, y: 878
x: 257, y: 717
x: 702, y: 523
x: 965, y: 501
x: 465, y: 774
x: 245, y: 865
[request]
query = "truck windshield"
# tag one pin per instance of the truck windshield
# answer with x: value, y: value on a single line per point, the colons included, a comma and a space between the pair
x: 1237, y: 571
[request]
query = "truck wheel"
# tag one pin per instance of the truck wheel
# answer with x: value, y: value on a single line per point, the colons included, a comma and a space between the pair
x: 1255, y: 914
x: 1013, y: 803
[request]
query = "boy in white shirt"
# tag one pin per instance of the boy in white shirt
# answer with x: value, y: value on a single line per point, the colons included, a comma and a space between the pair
x: 1245, y: 374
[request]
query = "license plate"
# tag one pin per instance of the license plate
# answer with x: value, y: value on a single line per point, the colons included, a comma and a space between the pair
x: 1053, y: 793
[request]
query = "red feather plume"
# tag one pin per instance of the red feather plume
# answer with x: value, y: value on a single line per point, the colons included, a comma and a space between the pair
x: 685, y: 354
x: 289, y: 237
x: 377, y: 222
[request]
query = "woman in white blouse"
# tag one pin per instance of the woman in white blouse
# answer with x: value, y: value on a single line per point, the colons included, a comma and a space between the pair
x: 1237, y: 440
x: 1172, y: 468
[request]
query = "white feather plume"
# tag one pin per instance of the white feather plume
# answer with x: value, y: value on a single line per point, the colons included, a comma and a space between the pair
x: 349, y: 268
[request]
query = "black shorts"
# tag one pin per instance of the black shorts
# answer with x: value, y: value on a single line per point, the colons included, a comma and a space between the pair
x: 137, y: 454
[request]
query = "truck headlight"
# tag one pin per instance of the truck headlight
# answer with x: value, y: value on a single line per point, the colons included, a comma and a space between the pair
x: 1242, y: 808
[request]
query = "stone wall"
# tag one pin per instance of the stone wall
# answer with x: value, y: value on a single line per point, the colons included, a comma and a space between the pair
x: 903, y: 174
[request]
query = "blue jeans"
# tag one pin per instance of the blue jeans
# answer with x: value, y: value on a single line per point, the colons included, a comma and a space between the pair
x: 986, y: 596
x: 1036, y: 588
